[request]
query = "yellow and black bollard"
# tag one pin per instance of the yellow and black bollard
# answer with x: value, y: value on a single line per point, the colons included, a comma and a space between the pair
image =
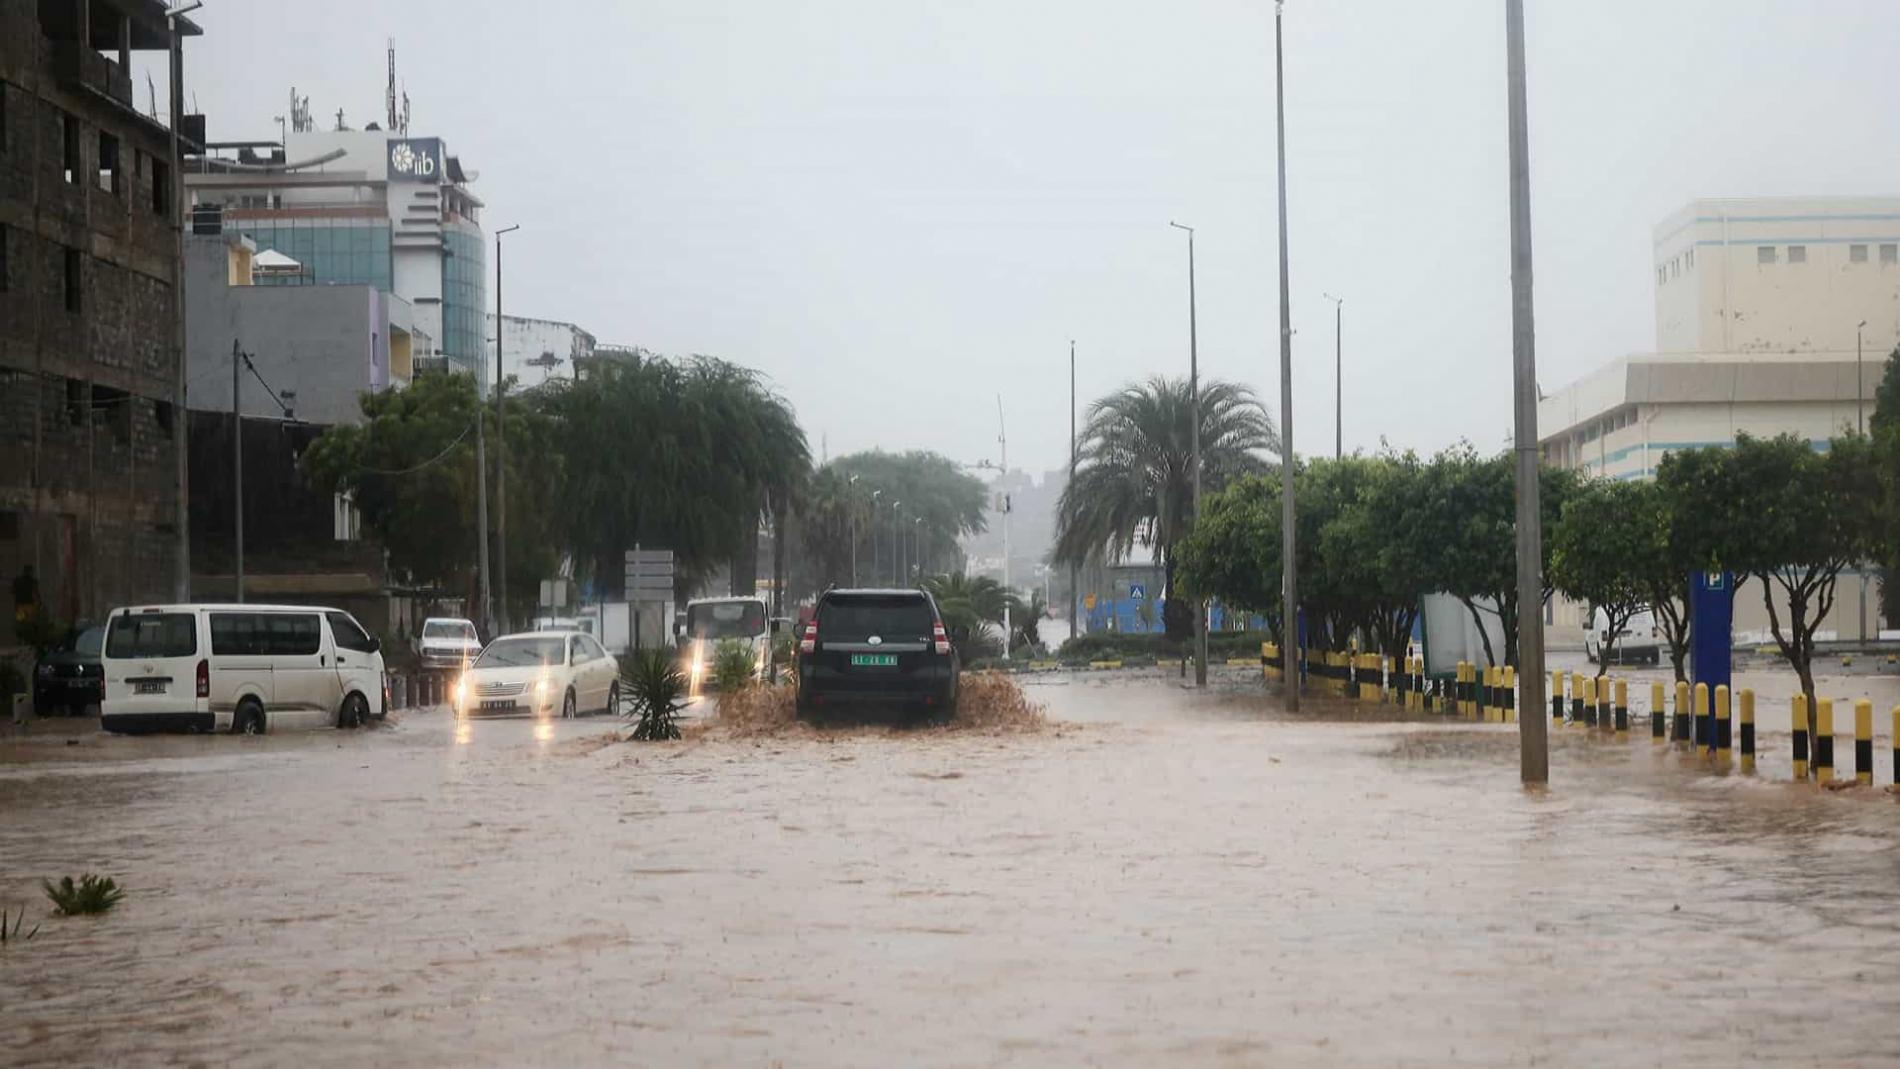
x: 1590, y: 701
x: 1557, y: 697
x: 1896, y: 745
x: 1658, y: 717
x: 1490, y: 694
x: 1679, y: 726
x: 1576, y: 699
x: 1864, y: 742
x: 1605, y: 714
x: 1824, y: 740
x: 1469, y: 706
x: 1510, y: 695
x: 1622, y: 707
x: 1270, y: 661
x: 1799, y: 728
x: 1747, y: 702
x: 1700, y: 728
x: 1722, y: 735
x: 1458, y: 689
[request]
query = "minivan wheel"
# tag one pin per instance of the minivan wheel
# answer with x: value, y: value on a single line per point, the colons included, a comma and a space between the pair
x: 249, y: 719
x: 354, y: 714
x: 567, y: 706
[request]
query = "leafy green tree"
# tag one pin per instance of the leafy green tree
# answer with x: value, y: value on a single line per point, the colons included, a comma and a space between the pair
x: 1233, y: 552
x: 1134, y: 482
x: 1602, y: 550
x: 1883, y: 425
x: 919, y: 484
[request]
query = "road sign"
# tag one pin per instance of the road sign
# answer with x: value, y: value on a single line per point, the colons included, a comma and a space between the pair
x: 1137, y: 591
x: 649, y: 574
x: 1088, y: 602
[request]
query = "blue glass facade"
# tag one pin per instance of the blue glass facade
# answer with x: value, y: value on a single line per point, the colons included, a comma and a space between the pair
x: 464, y: 298
x: 330, y: 250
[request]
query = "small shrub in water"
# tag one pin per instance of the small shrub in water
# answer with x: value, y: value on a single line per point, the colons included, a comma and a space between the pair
x: 92, y: 894
x: 655, y: 688
x: 733, y: 665
x: 12, y: 934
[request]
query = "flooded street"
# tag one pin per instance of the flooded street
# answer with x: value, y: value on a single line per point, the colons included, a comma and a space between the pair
x: 1155, y: 877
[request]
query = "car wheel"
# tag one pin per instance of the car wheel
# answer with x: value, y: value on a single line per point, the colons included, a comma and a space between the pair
x: 567, y: 705
x: 355, y: 712
x: 613, y: 699
x: 249, y: 719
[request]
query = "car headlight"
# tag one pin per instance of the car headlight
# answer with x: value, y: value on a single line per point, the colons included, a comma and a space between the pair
x: 461, y: 690
x: 46, y: 670
x: 541, y: 689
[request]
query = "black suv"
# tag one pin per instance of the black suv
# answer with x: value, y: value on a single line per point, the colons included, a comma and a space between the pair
x: 877, y: 648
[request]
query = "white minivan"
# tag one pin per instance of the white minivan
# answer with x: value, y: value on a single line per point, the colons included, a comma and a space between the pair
x: 246, y: 669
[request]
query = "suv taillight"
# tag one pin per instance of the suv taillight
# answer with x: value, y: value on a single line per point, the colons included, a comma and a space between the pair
x: 809, y: 643
x: 204, y: 679
x: 939, y: 639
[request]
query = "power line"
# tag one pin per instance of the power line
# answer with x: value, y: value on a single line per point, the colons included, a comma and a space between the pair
x: 439, y: 457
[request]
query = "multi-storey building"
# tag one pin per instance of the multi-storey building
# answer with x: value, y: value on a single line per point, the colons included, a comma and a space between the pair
x: 534, y: 351
x: 89, y: 361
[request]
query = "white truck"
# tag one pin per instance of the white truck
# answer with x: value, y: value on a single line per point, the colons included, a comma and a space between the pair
x: 713, y: 622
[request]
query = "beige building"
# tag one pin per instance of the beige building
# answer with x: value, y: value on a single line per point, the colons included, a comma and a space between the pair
x: 1773, y: 316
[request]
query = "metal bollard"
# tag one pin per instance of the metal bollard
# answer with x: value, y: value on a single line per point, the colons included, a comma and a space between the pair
x: 1557, y: 697
x: 1748, y: 729
x: 1799, y: 725
x: 1679, y: 726
x: 1864, y: 742
x: 1824, y: 740
x: 1576, y: 699
x: 1700, y: 727
x: 1658, y: 717
x: 1722, y: 736
x: 1622, y: 707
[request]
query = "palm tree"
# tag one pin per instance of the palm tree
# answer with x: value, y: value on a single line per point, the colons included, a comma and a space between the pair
x: 1134, y: 480
x: 1027, y: 615
x: 968, y: 605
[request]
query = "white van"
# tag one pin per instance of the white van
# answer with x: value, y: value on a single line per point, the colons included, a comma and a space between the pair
x: 1638, y: 642
x: 246, y: 669
x: 714, y: 622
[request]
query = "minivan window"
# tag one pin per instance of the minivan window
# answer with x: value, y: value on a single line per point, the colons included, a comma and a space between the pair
x: 261, y: 634
x: 152, y: 634
x: 726, y: 619
x: 854, y: 616
x: 86, y: 643
x: 349, y: 635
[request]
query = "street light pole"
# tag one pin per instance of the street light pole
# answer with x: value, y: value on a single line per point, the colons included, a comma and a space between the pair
x: 237, y: 472
x: 851, y: 504
x: 1194, y: 449
x: 1002, y: 445
x: 1533, y: 725
x: 895, y: 507
x: 1075, y: 580
x: 181, y: 422
x: 501, y: 444
x: 1289, y: 568
x: 1860, y: 398
x: 875, y: 494
x: 1339, y: 378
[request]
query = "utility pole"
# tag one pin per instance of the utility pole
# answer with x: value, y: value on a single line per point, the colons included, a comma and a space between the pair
x: 181, y: 421
x: 1194, y: 449
x: 1860, y: 427
x: 851, y: 504
x: 1339, y: 379
x: 1533, y: 725
x: 1075, y: 580
x: 1289, y: 559
x: 1002, y: 444
x: 501, y: 445
x: 875, y: 574
x: 481, y: 513
x: 237, y: 471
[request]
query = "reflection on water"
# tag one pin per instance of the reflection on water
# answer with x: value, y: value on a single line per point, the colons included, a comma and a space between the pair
x: 1193, y: 881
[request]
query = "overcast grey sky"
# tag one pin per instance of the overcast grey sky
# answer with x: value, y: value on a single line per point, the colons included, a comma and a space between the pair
x: 895, y: 209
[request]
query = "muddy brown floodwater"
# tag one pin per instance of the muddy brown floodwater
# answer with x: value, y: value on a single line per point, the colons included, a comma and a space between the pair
x: 1155, y: 877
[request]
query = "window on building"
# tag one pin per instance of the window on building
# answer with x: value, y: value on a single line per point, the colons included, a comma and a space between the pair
x: 75, y: 402
x: 161, y: 187
x: 108, y: 162
x: 1797, y: 254
x: 1890, y: 254
x: 1688, y: 259
x: 1662, y: 276
x: 112, y: 409
x: 1857, y: 254
x: 162, y: 415
x: 1764, y: 254
x: 69, y: 147
x: 73, y: 268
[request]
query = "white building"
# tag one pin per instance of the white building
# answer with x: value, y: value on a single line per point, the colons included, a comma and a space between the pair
x: 1773, y: 316
x: 534, y: 351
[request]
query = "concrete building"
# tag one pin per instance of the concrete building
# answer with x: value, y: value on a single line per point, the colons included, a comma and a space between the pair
x: 88, y: 265
x: 533, y: 351
x: 1773, y: 316
x: 362, y: 207
x: 322, y: 345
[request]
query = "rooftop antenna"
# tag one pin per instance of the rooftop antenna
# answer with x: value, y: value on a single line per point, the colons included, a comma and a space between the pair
x: 389, y: 89
x: 340, y: 125
x: 151, y: 94
x: 300, y: 112
x: 405, y: 113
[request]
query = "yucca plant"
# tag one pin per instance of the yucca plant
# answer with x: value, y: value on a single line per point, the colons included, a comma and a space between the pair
x: 654, y: 687
x: 92, y: 894
x: 11, y: 934
x: 733, y: 665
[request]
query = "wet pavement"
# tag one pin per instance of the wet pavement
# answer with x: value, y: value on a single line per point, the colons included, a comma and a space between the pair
x: 1155, y: 877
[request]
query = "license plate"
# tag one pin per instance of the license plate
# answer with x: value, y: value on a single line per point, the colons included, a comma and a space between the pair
x: 148, y: 688
x: 498, y: 705
x: 874, y: 660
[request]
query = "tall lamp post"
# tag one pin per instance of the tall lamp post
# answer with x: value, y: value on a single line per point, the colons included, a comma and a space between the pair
x: 875, y: 494
x: 1339, y: 378
x: 896, y: 507
x: 851, y: 503
x: 1194, y: 449
x: 501, y: 444
x: 1290, y: 572
x: 1860, y: 426
x: 917, y: 548
x: 1075, y: 581
x: 1533, y: 725
x: 181, y: 436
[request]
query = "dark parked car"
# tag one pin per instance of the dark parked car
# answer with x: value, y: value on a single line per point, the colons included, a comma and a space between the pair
x: 70, y: 678
x: 877, y: 648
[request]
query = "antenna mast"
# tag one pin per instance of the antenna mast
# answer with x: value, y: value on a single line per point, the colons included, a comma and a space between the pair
x: 389, y: 91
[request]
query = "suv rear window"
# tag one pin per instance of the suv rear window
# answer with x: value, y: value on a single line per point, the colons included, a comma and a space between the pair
x: 152, y: 634
x: 856, y: 616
